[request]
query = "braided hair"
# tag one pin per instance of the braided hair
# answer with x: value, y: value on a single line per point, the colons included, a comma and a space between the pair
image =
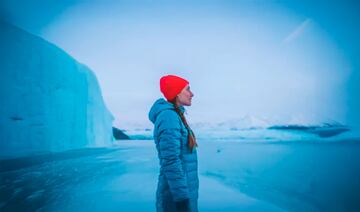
x: 191, y: 136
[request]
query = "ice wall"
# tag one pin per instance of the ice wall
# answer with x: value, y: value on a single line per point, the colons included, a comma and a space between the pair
x: 48, y: 101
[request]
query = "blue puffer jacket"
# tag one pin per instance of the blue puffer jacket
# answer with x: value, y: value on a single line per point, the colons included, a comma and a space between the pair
x: 178, y: 178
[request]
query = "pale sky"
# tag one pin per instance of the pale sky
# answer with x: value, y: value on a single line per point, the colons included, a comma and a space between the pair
x: 266, y: 60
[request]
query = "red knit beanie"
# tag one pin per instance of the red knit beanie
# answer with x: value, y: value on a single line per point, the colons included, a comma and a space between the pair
x: 171, y: 86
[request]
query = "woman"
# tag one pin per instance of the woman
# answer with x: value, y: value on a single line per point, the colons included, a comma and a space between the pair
x: 176, y: 146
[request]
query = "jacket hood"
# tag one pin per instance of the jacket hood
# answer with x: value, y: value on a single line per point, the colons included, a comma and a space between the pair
x: 159, y: 106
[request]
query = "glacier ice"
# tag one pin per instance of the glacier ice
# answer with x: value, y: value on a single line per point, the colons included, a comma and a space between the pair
x: 49, y: 101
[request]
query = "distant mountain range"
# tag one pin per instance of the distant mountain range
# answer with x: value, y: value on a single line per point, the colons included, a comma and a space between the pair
x: 250, y: 123
x: 253, y: 122
x: 247, y: 122
x: 251, y: 126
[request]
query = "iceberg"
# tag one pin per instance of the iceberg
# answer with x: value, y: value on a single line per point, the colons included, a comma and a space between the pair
x: 325, y: 131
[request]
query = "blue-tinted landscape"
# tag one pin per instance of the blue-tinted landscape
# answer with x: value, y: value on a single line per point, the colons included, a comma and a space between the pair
x: 275, y: 106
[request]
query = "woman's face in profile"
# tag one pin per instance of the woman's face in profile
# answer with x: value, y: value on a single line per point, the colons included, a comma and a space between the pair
x: 185, y: 96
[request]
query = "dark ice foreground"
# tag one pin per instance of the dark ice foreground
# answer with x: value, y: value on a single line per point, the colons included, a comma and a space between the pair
x: 234, y: 176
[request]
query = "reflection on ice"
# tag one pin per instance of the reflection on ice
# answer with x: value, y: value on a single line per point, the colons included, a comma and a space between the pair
x: 234, y: 175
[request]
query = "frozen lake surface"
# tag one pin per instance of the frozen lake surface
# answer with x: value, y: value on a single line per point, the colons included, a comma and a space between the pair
x: 234, y: 176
